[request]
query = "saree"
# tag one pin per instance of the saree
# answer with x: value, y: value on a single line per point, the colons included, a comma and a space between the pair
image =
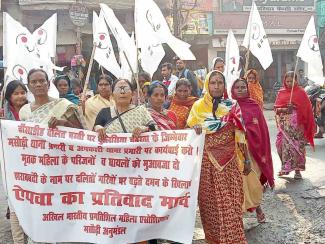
x: 165, y: 120
x: 134, y: 117
x: 182, y: 109
x: 93, y: 106
x: 59, y: 108
x: 258, y: 138
x: 255, y: 89
x: 290, y: 143
x: 221, y: 187
x: 295, y: 129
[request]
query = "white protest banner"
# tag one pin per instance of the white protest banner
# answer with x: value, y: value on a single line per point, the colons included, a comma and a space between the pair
x: 104, y: 53
x: 256, y: 40
x: 232, y: 61
x: 64, y: 186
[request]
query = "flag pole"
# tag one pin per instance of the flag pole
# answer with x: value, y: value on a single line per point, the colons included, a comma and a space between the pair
x: 101, y: 68
x: 249, y: 39
x: 294, y: 80
x: 135, y: 75
x: 89, y: 70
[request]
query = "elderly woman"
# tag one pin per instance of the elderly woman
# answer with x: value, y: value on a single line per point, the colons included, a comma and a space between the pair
x: 296, y: 125
x: 123, y: 116
x: 63, y: 84
x: 182, y: 102
x: 254, y: 87
x: 221, y: 187
x: 47, y: 110
x: 165, y: 119
x: 257, y: 135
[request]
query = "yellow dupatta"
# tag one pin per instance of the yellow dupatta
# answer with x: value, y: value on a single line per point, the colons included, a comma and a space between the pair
x: 201, y: 112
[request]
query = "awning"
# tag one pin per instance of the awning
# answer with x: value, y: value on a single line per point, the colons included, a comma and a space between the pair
x: 65, y: 4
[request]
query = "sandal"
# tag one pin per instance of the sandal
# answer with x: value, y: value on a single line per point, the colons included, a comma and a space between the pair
x: 281, y: 173
x: 260, y: 218
x: 297, y: 176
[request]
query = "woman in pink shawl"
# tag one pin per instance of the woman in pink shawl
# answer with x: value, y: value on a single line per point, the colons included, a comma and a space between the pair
x: 257, y: 135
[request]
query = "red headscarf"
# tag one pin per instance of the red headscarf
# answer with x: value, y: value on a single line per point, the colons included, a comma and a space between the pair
x: 302, y: 103
x: 257, y: 135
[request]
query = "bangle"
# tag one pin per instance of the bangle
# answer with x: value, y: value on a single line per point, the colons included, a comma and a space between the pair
x: 247, y: 161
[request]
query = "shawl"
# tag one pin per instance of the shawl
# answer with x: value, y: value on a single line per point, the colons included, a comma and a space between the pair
x: 165, y: 120
x: 303, y: 106
x: 70, y: 96
x: 257, y: 135
x: 255, y: 89
x: 92, y: 108
x: 201, y: 113
x: 186, y: 103
x: 60, y: 108
x: 9, y: 112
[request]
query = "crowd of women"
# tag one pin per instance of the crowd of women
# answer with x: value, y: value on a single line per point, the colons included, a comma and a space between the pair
x: 237, y: 163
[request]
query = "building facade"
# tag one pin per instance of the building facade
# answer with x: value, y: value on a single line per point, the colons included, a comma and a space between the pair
x: 284, y: 21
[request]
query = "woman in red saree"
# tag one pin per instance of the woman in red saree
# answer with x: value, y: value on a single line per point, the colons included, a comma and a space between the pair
x: 182, y: 102
x: 296, y: 125
x: 257, y: 136
x: 221, y: 186
x: 165, y: 119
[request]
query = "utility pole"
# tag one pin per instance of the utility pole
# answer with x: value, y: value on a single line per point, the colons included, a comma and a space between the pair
x: 176, y: 21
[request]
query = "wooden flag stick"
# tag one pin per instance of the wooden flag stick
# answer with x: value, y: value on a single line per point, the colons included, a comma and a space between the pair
x: 135, y: 76
x: 89, y: 71
x: 294, y: 79
x: 101, y: 68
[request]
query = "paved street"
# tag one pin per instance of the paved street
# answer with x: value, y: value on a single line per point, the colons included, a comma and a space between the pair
x: 295, y: 210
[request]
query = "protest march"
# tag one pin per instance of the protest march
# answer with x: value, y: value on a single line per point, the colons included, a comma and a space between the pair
x: 130, y: 145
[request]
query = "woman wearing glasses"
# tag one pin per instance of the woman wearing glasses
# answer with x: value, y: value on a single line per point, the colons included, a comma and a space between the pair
x: 123, y: 116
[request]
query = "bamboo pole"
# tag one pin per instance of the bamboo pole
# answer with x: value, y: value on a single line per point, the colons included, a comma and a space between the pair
x: 89, y: 71
x: 294, y: 76
x: 135, y: 76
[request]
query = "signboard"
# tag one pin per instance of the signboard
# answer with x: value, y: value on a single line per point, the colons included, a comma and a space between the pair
x: 268, y: 5
x: 78, y: 14
x: 32, y: 2
x: 198, y: 5
x: 65, y: 186
x: 281, y: 5
x: 199, y: 23
x: 320, y: 13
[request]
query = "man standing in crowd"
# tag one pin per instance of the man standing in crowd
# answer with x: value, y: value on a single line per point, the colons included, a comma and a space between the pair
x: 303, y: 82
x: 169, y: 79
x: 183, y: 72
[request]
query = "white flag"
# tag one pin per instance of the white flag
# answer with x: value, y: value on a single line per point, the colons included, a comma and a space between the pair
x: 22, y: 53
x: 104, y: 53
x: 152, y: 51
x: 310, y: 53
x: 151, y: 21
x: 45, y: 38
x: 125, y: 43
x: 256, y: 40
x: 232, y: 61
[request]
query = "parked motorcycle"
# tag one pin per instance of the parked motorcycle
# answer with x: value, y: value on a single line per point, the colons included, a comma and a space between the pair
x: 317, y: 98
